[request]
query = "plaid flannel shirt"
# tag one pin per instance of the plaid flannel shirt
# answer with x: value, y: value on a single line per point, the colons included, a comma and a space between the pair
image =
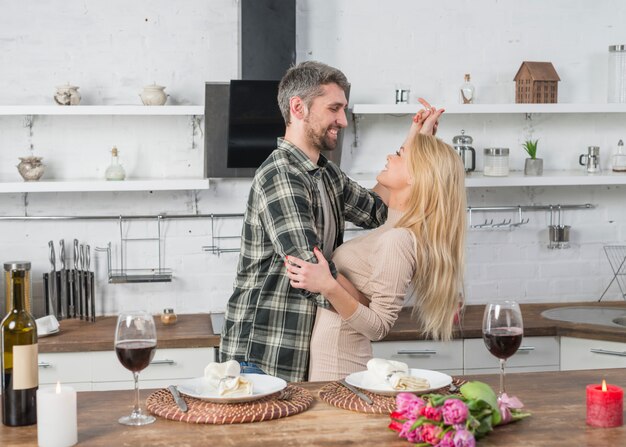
x: 268, y: 322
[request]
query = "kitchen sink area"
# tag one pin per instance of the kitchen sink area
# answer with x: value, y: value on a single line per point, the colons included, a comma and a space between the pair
x: 604, y: 316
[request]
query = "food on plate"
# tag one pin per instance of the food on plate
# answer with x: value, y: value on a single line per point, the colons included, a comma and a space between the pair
x: 396, y: 374
x: 226, y: 378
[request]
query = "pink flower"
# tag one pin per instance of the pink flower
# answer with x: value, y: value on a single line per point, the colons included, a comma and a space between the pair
x: 464, y: 438
x: 395, y: 426
x: 413, y: 436
x: 432, y: 413
x: 409, y: 404
x: 505, y: 403
x: 447, y: 440
x: 454, y: 411
x: 430, y: 433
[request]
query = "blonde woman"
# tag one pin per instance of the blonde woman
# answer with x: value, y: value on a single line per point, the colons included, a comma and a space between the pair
x: 418, y: 252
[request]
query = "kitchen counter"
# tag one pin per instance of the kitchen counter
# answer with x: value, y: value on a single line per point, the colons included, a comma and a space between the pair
x: 194, y: 330
x: 556, y: 400
x: 189, y: 331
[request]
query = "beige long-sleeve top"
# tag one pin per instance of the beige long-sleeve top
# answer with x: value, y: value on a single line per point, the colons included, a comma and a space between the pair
x: 381, y: 265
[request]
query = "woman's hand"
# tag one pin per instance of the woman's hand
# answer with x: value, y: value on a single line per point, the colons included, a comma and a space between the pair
x: 427, y: 120
x: 315, y: 278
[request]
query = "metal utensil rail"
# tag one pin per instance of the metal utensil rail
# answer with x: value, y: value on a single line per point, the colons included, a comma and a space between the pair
x: 519, y: 209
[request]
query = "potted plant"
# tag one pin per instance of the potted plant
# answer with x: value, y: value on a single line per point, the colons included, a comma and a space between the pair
x: 533, y: 165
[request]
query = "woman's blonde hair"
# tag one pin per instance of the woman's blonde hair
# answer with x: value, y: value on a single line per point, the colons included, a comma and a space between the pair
x: 435, y: 214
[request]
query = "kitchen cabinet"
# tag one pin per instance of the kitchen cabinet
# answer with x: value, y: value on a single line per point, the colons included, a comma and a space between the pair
x: 516, y: 178
x: 581, y: 353
x: 535, y: 354
x: 101, y: 370
x: 424, y: 354
x: 134, y: 184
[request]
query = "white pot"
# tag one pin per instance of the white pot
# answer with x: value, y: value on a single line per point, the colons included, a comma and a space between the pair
x: 153, y: 95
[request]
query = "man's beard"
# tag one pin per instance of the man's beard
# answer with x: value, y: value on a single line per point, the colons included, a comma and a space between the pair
x: 322, y: 142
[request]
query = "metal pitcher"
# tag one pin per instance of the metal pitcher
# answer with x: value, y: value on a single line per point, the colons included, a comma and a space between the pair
x: 591, y: 160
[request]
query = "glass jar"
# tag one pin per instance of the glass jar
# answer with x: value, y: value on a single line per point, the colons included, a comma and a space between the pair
x: 496, y: 161
x: 168, y: 316
x: 617, y: 74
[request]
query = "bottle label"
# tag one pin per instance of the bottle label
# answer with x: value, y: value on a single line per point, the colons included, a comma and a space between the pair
x: 25, y: 368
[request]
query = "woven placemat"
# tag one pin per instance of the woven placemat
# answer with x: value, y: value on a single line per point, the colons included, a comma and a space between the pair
x: 292, y: 400
x: 339, y: 396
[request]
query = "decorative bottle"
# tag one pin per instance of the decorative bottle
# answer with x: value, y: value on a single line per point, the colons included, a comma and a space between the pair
x: 619, y: 158
x: 20, y: 374
x: 467, y: 91
x: 115, y: 171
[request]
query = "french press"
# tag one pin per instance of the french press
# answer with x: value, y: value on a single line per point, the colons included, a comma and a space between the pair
x: 591, y: 160
x: 467, y: 153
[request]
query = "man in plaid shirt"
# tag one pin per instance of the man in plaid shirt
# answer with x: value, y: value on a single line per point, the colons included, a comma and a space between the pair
x: 298, y: 200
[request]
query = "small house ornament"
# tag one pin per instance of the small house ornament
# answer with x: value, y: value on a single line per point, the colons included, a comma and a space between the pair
x: 536, y: 83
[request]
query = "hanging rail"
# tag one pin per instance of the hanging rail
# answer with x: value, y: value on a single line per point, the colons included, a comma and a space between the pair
x: 508, y: 223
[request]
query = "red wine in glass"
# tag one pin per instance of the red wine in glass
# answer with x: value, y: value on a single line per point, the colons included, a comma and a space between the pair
x: 135, y: 355
x: 503, y: 331
x: 135, y: 343
x: 503, y: 342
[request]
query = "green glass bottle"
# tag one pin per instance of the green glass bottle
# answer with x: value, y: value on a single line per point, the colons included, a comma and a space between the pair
x: 18, y: 335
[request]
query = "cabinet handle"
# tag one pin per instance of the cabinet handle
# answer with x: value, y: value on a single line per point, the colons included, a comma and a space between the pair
x: 607, y: 352
x: 526, y: 348
x: 163, y: 362
x: 44, y: 365
x: 417, y: 352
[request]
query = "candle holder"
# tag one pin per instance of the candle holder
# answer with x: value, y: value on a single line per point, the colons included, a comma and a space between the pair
x: 605, y: 405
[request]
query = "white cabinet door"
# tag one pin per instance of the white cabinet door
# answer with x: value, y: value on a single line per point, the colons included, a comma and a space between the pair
x: 424, y: 354
x: 167, y: 364
x: 581, y: 353
x: 101, y: 370
x: 534, y: 354
x: 64, y: 367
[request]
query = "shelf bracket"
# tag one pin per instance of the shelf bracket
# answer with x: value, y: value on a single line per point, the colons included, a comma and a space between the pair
x: 529, y: 116
x: 355, y: 121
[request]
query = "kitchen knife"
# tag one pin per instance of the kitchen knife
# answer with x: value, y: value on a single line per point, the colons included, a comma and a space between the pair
x: 46, y: 292
x: 178, y: 398
x: 91, y: 316
x: 76, y: 278
x: 63, y: 279
x: 53, y: 308
x: 81, y: 282
x: 364, y: 397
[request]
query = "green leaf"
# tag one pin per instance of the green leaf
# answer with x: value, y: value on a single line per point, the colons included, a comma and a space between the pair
x: 482, y: 392
x: 530, y: 147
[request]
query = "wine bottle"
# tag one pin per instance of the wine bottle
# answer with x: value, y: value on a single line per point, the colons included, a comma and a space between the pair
x: 18, y: 332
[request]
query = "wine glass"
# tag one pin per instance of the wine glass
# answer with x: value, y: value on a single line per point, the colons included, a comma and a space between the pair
x: 135, y: 343
x: 503, y: 330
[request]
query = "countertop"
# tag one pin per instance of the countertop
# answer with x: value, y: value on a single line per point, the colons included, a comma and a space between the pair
x: 194, y: 330
x: 555, y: 399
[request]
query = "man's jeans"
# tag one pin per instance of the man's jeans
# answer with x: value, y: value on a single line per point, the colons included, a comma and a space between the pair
x: 251, y: 368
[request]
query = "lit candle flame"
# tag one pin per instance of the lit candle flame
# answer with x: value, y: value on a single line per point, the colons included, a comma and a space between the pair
x: 604, y: 385
x: 58, y: 387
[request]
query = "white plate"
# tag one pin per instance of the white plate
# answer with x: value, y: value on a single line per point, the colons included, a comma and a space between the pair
x: 262, y: 385
x: 56, y: 331
x: 369, y: 382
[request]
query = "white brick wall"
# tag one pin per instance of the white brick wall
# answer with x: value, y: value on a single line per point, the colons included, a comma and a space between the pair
x: 111, y: 50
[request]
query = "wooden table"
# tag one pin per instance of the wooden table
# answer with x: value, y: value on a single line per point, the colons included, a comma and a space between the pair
x: 556, y: 399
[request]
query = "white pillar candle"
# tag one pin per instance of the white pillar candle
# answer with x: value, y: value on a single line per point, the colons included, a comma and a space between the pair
x: 56, y: 416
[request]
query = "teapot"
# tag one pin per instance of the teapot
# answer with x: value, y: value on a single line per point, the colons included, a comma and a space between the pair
x: 67, y: 95
x: 30, y: 168
x: 153, y: 95
x: 467, y: 153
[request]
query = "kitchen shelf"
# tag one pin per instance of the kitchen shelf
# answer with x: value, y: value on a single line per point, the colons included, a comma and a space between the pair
x: 103, y: 185
x: 517, y: 178
x: 102, y: 110
x: 456, y: 109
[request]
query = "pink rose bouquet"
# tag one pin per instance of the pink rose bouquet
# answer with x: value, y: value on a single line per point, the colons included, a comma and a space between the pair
x: 455, y: 420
